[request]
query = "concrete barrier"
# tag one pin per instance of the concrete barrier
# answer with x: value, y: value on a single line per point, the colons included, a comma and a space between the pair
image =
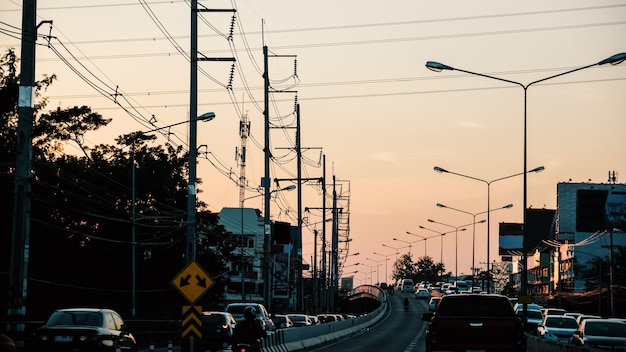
x: 538, y: 344
x: 302, y: 338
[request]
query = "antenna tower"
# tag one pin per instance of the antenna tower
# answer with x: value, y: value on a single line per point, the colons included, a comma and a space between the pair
x: 240, y: 155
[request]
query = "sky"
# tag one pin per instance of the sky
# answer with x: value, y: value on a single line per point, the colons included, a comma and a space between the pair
x: 368, y: 104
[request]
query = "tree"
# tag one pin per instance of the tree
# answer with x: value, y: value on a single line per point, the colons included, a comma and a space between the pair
x: 427, y: 270
x: 81, y: 213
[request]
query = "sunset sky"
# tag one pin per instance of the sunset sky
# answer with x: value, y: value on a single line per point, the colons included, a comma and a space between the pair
x: 368, y: 103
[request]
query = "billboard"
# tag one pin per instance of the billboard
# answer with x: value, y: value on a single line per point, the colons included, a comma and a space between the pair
x: 511, y: 239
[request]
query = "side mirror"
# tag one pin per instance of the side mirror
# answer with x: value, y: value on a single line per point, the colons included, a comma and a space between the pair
x: 427, y: 316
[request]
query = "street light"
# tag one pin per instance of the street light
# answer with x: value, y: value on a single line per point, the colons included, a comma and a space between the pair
x: 243, y: 287
x: 456, y: 240
x: 386, y: 263
x: 407, y: 242
x: 371, y: 271
x: 397, y: 249
x: 422, y: 237
x: 508, y: 206
x: 440, y: 234
x: 488, y: 183
x: 377, y: 268
x: 191, y: 186
x: 204, y: 117
x: 438, y: 67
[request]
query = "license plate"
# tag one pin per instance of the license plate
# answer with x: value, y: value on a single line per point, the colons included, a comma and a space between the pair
x: 63, y: 338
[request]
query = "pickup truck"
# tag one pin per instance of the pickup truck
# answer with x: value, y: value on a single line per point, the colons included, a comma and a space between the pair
x: 474, y: 322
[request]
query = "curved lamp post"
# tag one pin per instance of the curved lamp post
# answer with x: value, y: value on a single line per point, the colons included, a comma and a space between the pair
x: 396, y: 249
x: 407, y: 242
x: 438, y: 67
x: 441, y: 234
x: 508, y: 206
x: 386, y: 263
x: 208, y: 116
x: 488, y: 183
x: 456, y: 240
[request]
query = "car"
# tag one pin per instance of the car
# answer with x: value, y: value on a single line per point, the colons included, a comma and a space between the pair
x: 282, y: 321
x: 609, y: 334
x: 553, y: 311
x: 407, y: 285
x: 236, y: 309
x: 432, y: 303
x: 580, y: 318
x: 84, y: 329
x: 558, y: 328
x: 217, y: 331
x: 314, y: 319
x: 532, y: 319
x: 422, y: 293
x: 519, y: 306
x: 475, y: 289
x: 300, y: 319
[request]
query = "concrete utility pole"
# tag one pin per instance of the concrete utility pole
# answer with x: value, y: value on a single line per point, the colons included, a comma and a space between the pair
x: 190, y: 254
x: 20, y: 231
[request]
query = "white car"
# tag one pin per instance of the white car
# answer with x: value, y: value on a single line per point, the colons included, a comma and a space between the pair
x: 558, y: 328
x: 432, y: 303
x: 422, y: 293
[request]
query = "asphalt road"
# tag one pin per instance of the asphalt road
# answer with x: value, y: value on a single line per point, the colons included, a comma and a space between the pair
x: 398, y: 331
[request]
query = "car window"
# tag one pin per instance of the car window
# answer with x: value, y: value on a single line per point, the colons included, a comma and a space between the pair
x: 605, y: 329
x: 118, y: 321
x: 561, y: 323
x: 109, y: 321
x: 75, y: 318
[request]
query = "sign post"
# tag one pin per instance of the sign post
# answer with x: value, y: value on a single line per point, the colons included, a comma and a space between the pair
x: 192, y: 282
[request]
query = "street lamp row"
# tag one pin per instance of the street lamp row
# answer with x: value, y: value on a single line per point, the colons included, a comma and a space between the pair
x: 438, y: 67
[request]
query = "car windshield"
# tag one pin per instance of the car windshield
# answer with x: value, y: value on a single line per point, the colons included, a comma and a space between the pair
x: 534, y: 314
x: 75, y: 318
x: 556, y: 322
x: 605, y: 329
x: 236, y: 309
x: 475, y: 306
x: 297, y: 317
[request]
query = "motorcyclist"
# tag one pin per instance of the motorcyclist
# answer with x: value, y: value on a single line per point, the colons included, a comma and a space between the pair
x: 406, y: 303
x: 248, y: 331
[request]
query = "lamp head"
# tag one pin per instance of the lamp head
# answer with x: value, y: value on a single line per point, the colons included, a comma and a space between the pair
x: 463, y: 229
x: 482, y: 221
x: 288, y: 188
x: 508, y: 206
x: 440, y: 169
x: 537, y: 169
x: 441, y: 205
x: 207, y: 116
x: 437, y: 66
x: 614, y: 60
x: 431, y: 220
x: 421, y: 227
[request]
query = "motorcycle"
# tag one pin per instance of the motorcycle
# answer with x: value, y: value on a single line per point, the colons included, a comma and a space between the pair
x: 406, y: 306
x: 242, y: 347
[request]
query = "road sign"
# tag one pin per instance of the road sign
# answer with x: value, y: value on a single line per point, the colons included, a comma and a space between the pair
x: 192, y: 322
x: 192, y: 281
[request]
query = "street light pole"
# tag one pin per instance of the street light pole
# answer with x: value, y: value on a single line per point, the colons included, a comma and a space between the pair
x: 407, y: 242
x: 386, y: 263
x: 456, y: 240
x: 488, y: 183
x: 438, y: 67
x: 474, y: 229
x: 204, y: 117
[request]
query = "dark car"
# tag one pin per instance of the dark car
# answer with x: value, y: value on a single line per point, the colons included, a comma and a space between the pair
x: 217, y: 331
x: 607, y: 334
x: 84, y: 330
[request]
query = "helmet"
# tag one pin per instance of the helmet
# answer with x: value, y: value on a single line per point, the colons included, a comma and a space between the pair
x: 249, y: 313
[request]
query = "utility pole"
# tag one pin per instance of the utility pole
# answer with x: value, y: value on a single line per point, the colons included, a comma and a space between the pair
x: 20, y: 231
x: 190, y: 253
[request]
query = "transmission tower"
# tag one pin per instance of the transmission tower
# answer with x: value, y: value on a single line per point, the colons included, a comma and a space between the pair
x: 240, y: 155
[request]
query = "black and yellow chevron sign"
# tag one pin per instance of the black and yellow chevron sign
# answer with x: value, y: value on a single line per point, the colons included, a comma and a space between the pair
x: 192, y: 322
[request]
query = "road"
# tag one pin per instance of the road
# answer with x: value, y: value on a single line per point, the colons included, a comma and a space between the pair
x: 398, y: 331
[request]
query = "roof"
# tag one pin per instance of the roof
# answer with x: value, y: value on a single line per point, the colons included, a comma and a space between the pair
x: 231, y: 219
